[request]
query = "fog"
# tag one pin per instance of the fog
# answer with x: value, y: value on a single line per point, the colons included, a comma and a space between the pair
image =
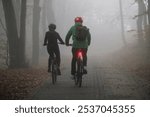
x: 118, y: 59
x: 101, y: 17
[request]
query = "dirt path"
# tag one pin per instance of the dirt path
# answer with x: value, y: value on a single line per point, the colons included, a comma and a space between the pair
x: 103, y: 81
x: 124, y: 74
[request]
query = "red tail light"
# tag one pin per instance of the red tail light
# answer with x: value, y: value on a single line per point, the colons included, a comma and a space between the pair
x: 79, y: 54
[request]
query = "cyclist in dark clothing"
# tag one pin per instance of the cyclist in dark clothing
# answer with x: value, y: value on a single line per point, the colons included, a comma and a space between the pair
x: 50, y: 40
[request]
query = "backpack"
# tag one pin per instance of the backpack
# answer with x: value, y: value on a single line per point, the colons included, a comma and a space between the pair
x: 81, y: 33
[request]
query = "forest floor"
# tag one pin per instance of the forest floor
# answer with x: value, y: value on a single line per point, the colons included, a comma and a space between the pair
x: 21, y: 83
x: 134, y: 59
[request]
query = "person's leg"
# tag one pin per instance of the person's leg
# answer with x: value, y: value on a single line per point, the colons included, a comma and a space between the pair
x: 85, y: 57
x: 57, y: 53
x: 58, y: 60
x: 85, y: 61
x: 73, y: 63
x: 51, y: 55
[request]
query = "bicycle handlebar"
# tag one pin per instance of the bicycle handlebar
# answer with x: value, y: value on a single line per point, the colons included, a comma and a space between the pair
x: 58, y: 43
x: 61, y: 43
x: 69, y: 44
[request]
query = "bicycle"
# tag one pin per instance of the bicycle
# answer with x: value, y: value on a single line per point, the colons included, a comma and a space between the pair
x: 54, y: 69
x: 79, y: 70
x: 79, y: 65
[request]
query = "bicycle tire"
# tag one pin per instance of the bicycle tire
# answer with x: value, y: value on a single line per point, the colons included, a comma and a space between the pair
x: 53, y: 78
x: 80, y: 81
x: 79, y: 74
x: 76, y: 80
x: 54, y: 74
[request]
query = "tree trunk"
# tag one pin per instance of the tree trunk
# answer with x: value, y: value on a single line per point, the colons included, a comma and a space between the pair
x: 17, y: 8
x: 141, y: 20
x: 149, y: 12
x: 35, y: 31
x: 12, y: 34
x: 122, y: 23
x: 22, y: 34
x: 44, y: 20
x: 148, y: 29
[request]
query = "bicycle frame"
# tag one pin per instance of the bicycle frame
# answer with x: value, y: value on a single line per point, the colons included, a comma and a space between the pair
x: 54, y: 70
x: 79, y: 71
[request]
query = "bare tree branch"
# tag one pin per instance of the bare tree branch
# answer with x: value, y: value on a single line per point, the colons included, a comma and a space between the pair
x: 144, y: 13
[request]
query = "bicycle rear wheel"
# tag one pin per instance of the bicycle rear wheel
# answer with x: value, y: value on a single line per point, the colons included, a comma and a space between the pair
x: 54, y: 74
x: 80, y: 81
x: 76, y: 79
x: 79, y: 74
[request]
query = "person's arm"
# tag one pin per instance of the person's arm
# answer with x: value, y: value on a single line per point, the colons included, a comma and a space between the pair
x: 68, y: 36
x: 60, y: 39
x: 89, y: 38
x: 45, y: 39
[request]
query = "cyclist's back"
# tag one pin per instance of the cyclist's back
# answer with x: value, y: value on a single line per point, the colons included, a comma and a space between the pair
x: 78, y: 44
x: 51, y: 37
x: 52, y: 46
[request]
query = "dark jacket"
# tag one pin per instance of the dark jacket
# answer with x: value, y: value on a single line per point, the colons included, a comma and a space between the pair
x: 51, y: 39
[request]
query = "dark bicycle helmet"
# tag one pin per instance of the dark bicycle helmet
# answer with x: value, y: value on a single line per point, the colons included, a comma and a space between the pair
x: 78, y: 19
x: 52, y: 26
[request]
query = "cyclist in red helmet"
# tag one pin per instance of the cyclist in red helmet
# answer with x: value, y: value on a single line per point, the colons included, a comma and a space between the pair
x: 78, y: 19
x: 78, y: 44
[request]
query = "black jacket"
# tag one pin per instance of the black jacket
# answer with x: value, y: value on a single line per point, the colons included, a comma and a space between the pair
x: 51, y: 39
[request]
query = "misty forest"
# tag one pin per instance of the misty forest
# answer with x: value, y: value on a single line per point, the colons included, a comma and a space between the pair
x: 118, y: 57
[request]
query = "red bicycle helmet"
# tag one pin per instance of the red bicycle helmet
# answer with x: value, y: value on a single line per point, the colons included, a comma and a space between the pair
x: 78, y: 19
